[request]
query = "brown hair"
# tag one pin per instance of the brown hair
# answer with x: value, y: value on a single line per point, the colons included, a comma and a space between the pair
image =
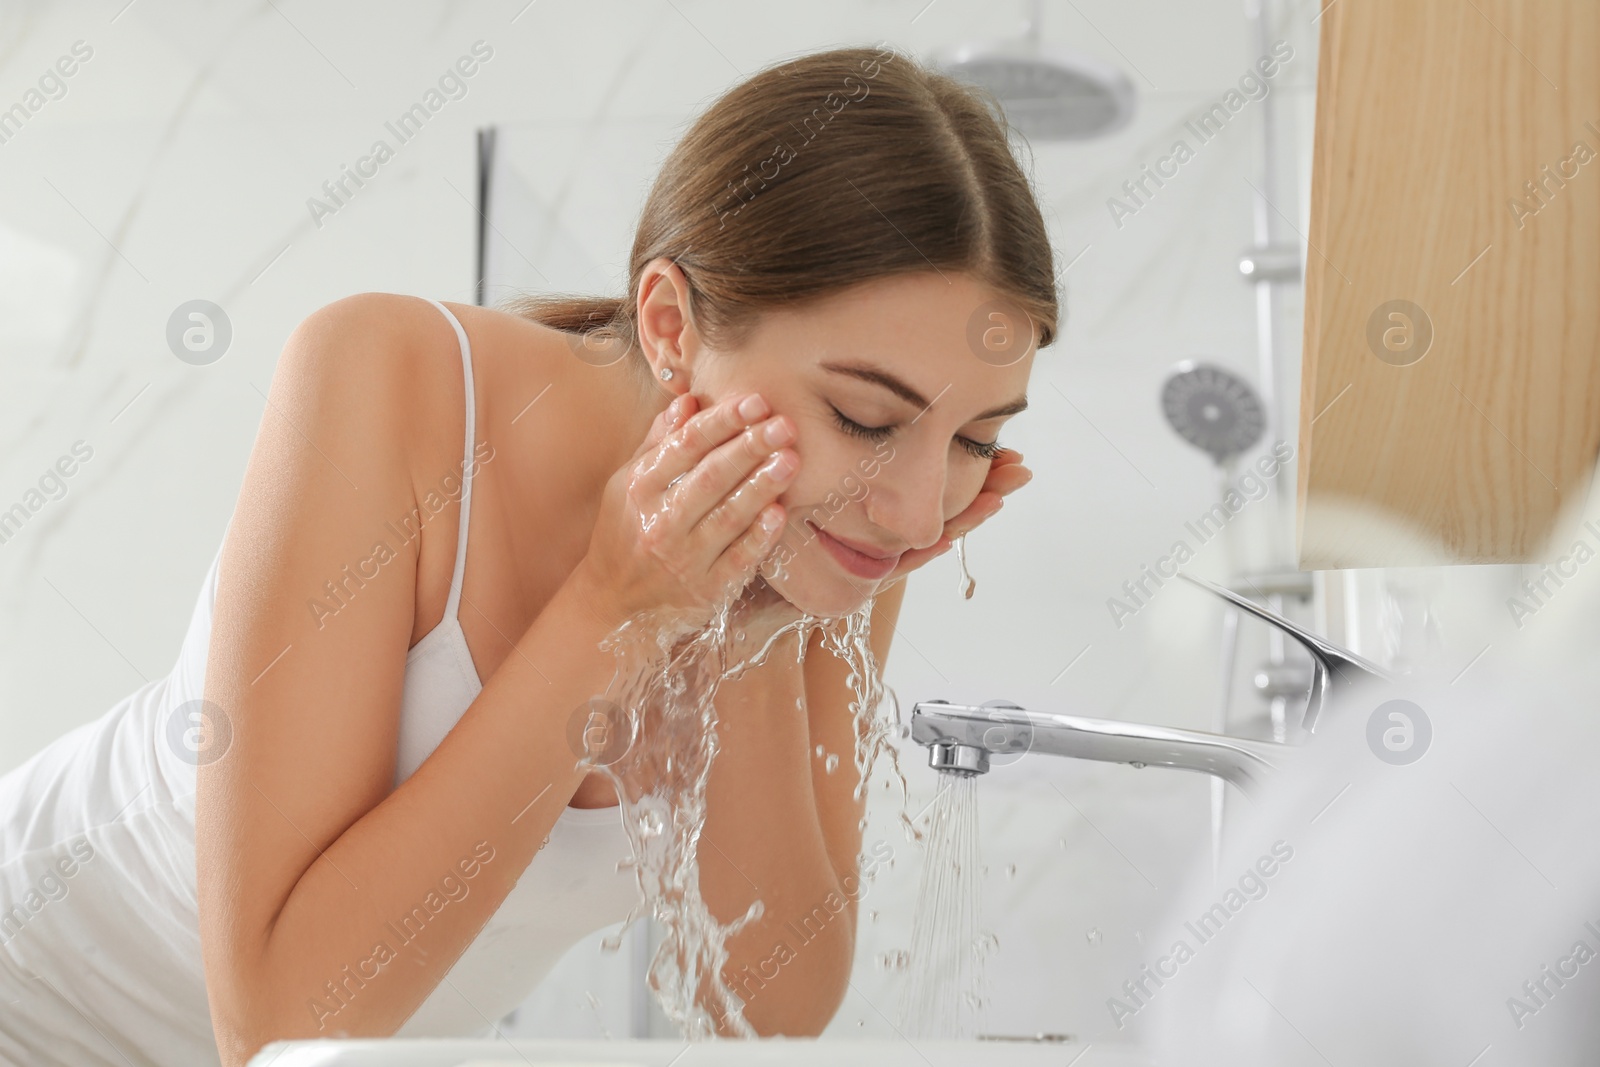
x: 825, y: 171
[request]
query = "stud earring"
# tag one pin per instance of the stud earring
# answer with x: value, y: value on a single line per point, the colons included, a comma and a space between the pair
x: 666, y: 374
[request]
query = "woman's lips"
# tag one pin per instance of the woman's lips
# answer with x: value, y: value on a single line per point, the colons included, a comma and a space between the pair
x: 857, y: 563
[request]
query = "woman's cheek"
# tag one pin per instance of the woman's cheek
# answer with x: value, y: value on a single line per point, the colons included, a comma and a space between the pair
x: 963, y: 492
x: 814, y: 481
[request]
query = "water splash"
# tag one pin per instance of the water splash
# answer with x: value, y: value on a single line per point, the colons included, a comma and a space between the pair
x: 847, y: 638
x: 947, y: 949
x: 968, y: 585
x: 669, y: 672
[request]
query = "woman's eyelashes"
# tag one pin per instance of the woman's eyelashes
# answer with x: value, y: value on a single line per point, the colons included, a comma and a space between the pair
x: 854, y: 428
x: 979, y: 449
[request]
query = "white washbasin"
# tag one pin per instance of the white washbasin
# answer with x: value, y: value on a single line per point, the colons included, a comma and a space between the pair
x: 445, y: 1052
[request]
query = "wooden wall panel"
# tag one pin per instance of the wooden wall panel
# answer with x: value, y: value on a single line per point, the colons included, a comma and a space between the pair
x: 1435, y: 119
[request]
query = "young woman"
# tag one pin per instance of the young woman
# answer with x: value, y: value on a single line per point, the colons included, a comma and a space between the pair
x: 355, y: 807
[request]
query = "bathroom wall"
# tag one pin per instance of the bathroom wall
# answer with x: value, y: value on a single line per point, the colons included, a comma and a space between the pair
x: 179, y: 165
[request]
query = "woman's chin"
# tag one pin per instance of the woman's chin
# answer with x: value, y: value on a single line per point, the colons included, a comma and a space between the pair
x: 821, y: 591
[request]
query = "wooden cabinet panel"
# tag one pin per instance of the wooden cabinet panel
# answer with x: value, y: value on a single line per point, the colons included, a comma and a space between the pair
x: 1455, y: 217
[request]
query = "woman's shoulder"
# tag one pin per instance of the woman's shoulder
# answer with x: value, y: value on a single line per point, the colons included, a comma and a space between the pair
x: 409, y: 353
x: 412, y: 325
x: 403, y: 356
x: 508, y: 350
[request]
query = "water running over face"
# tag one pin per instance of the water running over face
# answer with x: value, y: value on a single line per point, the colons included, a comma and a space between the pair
x: 670, y: 671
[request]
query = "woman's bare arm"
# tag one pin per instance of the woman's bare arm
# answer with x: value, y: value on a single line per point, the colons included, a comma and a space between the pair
x: 307, y: 863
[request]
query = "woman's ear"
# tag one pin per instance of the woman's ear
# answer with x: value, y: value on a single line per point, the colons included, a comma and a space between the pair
x: 666, y: 329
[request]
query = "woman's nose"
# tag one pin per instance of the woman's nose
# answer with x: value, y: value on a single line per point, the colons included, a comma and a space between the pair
x: 909, y: 502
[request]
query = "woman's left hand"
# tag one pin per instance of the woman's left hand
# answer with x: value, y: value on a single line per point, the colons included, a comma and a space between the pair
x: 1006, y: 475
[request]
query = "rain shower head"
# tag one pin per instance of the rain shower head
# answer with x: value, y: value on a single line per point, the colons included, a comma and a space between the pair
x: 1213, y: 409
x: 1048, y: 95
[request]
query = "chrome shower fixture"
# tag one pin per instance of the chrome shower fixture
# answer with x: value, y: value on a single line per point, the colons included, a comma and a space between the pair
x: 1213, y: 409
x: 1048, y: 94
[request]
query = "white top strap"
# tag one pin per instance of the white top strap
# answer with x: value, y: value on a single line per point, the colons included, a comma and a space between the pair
x: 453, y: 605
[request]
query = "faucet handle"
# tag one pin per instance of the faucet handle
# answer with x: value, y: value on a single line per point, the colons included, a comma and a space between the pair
x: 1332, y: 665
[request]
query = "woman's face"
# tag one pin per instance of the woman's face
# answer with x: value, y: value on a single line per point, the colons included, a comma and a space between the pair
x: 896, y: 416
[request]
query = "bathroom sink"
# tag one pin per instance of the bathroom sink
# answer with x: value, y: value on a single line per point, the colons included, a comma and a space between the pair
x: 777, y: 1052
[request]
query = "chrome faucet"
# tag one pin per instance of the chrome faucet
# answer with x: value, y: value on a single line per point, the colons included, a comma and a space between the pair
x: 961, y: 738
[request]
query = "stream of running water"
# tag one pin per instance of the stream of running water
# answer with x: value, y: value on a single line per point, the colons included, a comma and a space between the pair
x: 946, y: 993
x: 670, y: 672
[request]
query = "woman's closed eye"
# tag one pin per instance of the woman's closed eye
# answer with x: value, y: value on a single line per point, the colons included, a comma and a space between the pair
x: 978, y: 449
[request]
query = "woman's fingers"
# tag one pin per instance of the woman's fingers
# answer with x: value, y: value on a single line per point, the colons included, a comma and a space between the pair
x: 1005, y: 456
x: 1007, y: 479
x: 734, y: 512
x: 670, y: 418
x: 983, y: 506
x: 740, y: 561
x: 687, y: 445
x: 713, y: 498
x: 710, y: 477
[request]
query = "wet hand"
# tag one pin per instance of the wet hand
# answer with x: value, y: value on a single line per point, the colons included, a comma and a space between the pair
x: 686, y: 522
x: 1006, y: 476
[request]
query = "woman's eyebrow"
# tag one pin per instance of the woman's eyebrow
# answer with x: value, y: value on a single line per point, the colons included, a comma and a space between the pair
x: 878, y: 376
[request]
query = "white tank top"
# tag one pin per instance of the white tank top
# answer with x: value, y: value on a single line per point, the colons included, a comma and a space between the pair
x: 100, y: 961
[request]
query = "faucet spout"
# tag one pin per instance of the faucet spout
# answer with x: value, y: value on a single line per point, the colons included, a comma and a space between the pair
x: 961, y: 739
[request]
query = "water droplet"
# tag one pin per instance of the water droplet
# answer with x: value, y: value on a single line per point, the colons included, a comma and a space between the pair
x: 1011, y: 870
x: 896, y: 960
x: 872, y: 916
x: 1138, y: 936
x: 831, y: 764
x: 903, y: 730
x: 1063, y: 844
x: 860, y: 1023
x: 1093, y: 936
x: 738, y: 635
x: 820, y: 751
x: 968, y: 585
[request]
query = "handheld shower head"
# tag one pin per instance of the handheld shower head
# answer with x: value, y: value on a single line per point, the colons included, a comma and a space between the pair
x: 1213, y: 409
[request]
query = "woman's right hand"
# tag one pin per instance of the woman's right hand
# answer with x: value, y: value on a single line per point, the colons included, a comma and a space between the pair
x: 686, y: 522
